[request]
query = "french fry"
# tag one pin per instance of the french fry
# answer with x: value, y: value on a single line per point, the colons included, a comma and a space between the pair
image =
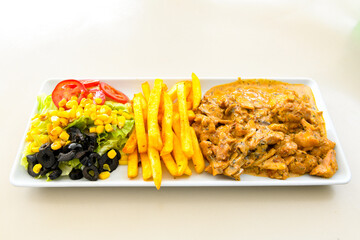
x: 172, y: 92
x: 196, y: 91
x: 131, y: 143
x: 179, y: 156
x: 152, y: 119
x: 188, y: 171
x: 139, y: 124
x: 133, y: 164
x: 185, y: 137
x: 170, y: 164
x: 188, y: 88
x: 146, y: 166
x: 197, y: 158
x: 167, y: 133
x: 191, y: 115
x: 146, y: 90
x: 176, y: 123
x: 144, y: 106
x: 155, y: 163
x: 188, y: 105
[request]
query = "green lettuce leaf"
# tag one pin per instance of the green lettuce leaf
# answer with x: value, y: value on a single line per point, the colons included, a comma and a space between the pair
x: 67, y: 166
x: 115, y: 139
x: 118, y: 106
x: 82, y: 123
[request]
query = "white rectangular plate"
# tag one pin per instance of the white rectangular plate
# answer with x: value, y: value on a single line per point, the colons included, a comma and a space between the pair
x: 20, y: 177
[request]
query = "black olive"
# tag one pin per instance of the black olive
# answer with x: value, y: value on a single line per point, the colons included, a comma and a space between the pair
x: 30, y: 169
x: 46, y: 158
x: 91, y: 173
x: 55, y: 174
x: 77, y: 147
x: 44, y: 147
x: 45, y: 171
x: 66, y: 156
x: 80, y: 154
x: 91, y: 141
x: 75, y: 135
x: 75, y: 174
x: 113, y: 163
x: 31, y: 158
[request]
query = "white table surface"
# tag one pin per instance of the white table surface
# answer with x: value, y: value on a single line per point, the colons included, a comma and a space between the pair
x: 80, y: 39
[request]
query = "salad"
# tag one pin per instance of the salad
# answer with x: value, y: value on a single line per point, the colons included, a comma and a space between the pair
x: 78, y: 131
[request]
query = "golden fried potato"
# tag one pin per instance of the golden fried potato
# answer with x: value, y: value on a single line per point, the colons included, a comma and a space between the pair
x: 146, y: 90
x: 152, y: 119
x: 139, y: 124
x: 179, y: 156
x: 146, y: 166
x: 133, y: 164
x: 167, y: 133
x: 155, y: 163
x: 131, y: 143
x: 196, y: 91
x: 197, y: 158
x: 186, y: 143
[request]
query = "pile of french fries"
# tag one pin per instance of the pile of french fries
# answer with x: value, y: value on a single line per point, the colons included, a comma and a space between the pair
x: 162, y: 130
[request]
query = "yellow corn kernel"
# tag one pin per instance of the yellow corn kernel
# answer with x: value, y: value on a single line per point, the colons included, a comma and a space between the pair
x: 83, y: 102
x: 56, y: 131
x: 62, y: 103
x: 61, y: 109
x: 44, y: 139
x: 36, y: 169
x: 92, y: 129
x: 64, y: 136
x: 93, y: 108
x: 127, y: 115
x: 79, y: 112
x: 35, y: 131
x: 49, y: 127
x: 35, y: 149
x: 93, y: 116
x: 106, y: 167
x: 111, y: 154
x: 29, y: 138
x: 90, y: 96
x: 121, y: 121
x: 100, y: 129
x: 103, y: 117
x: 64, y: 122
x: 71, y: 104
x: 98, y: 107
x: 108, y: 128
x: 119, y: 111
x: 43, y: 117
x: 64, y: 114
x: 98, y: 100
x: 72, y: 113
x: 104, y: 175
x: 74, y: 98
x: 105, y: 109
x: 52, y: 138
x: 98, y: 122
x: 114, y: 121
x: 55, y: 145
x: 67, y: 142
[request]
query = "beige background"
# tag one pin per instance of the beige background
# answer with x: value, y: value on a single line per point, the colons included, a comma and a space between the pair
x: 69, y: 39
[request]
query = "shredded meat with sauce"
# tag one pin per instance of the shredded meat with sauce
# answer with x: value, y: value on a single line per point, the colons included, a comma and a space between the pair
x: 263, y: 127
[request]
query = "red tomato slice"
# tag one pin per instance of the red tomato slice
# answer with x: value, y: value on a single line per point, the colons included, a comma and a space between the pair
x: 68, y: 88
x: 113, y: 93
x: 88, y: 83
x: 98, y: 94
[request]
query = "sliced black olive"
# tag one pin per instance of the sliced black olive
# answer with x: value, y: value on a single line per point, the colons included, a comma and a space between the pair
x: 30, y: 169
x: 91, y: 141
x: 77, y: 147
x: 75, y: 174
x: 66, y: 156
x: 75, y: 135
x: 55, y: 174
x: 46, y: 158
x: 91, y: 173
x: 31, y: 158
x: 44, y: 147
x: 113, y: 163
x: 45, y: 171
x: 80, y: 154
